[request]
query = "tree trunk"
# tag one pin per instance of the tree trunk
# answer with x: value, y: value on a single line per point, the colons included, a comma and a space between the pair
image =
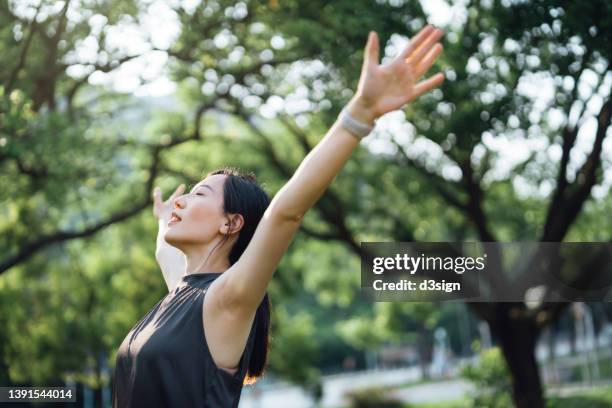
x: 97, y: 397
x: 424, y: 346
x: 552, y: 357
x: 517, y: 338
x: 572, y: 335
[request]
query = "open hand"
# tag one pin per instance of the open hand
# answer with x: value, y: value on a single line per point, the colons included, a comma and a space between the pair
x: 384, y: 88
x: 163, y: 210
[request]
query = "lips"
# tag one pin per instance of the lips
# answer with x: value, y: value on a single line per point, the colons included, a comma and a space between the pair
x: 174, y: 218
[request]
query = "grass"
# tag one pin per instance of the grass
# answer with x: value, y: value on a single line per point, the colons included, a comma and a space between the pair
x: 595, y: 398
x: 460, y: 403
x: 600, y: 397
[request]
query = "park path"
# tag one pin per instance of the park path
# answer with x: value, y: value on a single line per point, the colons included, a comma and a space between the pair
x: 335, y: 386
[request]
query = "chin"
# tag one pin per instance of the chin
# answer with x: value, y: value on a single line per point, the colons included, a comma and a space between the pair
x: 171, y: 238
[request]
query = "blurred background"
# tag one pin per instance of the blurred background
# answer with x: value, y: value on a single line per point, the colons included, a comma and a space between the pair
x: 101, y: 100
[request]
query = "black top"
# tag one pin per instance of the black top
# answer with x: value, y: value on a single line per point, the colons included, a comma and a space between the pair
x: 164, y: 360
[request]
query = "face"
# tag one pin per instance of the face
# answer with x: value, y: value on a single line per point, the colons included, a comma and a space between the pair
x: 200, y: 212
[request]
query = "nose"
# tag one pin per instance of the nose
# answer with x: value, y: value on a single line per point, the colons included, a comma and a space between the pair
x: 178, y: 202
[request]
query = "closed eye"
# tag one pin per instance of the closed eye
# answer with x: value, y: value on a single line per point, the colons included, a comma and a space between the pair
x: 200, y: 194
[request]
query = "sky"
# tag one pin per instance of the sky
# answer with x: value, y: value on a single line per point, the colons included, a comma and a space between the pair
x: 159, y: 27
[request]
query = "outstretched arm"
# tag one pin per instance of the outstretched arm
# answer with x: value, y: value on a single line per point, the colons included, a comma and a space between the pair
x: 170, y: 259
x: 382, y: 88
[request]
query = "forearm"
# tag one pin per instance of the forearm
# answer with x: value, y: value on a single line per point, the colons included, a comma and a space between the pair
x: 318, y: 169
x: 170, y: 259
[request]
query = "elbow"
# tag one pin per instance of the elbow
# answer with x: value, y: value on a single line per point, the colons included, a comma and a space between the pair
x: 287, y: 205
x: 279, y: 213
x: 282, y: 217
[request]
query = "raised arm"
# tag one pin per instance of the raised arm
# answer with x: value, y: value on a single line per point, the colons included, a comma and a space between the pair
x: 381, y: 89
x: 170, y: 259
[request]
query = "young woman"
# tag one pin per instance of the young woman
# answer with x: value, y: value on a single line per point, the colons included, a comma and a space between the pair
x: 219, y: 245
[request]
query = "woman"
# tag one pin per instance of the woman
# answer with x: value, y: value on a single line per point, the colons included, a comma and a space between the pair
x: 219, y: 245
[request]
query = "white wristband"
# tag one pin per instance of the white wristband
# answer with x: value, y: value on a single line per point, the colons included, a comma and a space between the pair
x: 355, y: 127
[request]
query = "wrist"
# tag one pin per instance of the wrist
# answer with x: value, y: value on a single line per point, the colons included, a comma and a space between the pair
x: 360, y: 111
x: 162, y: 222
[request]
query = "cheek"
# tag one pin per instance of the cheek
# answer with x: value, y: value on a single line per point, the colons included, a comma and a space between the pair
x: 203, y: 219
x: 200, y: 222
x: 204, y: 213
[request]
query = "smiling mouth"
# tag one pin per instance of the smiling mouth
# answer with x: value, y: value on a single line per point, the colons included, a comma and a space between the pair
x: 174, y: 218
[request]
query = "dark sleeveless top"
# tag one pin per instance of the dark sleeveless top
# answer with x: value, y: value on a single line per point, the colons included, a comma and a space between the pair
x: 164, y: 360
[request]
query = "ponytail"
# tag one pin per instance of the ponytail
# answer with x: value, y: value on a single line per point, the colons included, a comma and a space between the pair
x: 259, y: 355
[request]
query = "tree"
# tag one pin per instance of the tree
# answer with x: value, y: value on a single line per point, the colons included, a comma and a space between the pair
x: 263, y: 80
x: 498, y: 47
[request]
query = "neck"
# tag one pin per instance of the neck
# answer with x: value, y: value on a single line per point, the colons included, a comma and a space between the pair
x: 201, y: 260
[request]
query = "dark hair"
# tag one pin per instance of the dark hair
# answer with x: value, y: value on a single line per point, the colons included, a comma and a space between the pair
x: 243, y: 195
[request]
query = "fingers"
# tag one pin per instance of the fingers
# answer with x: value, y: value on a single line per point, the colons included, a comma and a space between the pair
x: 427, y: 44
x: 372, y: 50
x: 179, y: 190
x: 156, y: 195
x: 428, y: 84
x: 428, y: 60
x: 416, y: 41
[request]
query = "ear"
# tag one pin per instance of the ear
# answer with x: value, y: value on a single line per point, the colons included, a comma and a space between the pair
x: 233, y: 224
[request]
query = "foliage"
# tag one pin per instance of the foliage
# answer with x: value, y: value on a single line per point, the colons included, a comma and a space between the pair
x: 597, y: 398
x: 294, y: 346
x: 372, y: 398
x: 258, y: 83
x: 491, y: 380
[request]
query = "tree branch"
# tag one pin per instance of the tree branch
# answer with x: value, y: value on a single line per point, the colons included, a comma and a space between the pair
x: 439, y: 181
x: 325, y: 236
x: 586, y: 178
x: 43, y: 241
x: 474, y: 205
x: 24, y: 51
x: 570, y: 132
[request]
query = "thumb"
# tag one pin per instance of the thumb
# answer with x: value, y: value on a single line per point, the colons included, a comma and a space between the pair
x: 179, y: 190
x: 372, y: 52
x: 156, y: 194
